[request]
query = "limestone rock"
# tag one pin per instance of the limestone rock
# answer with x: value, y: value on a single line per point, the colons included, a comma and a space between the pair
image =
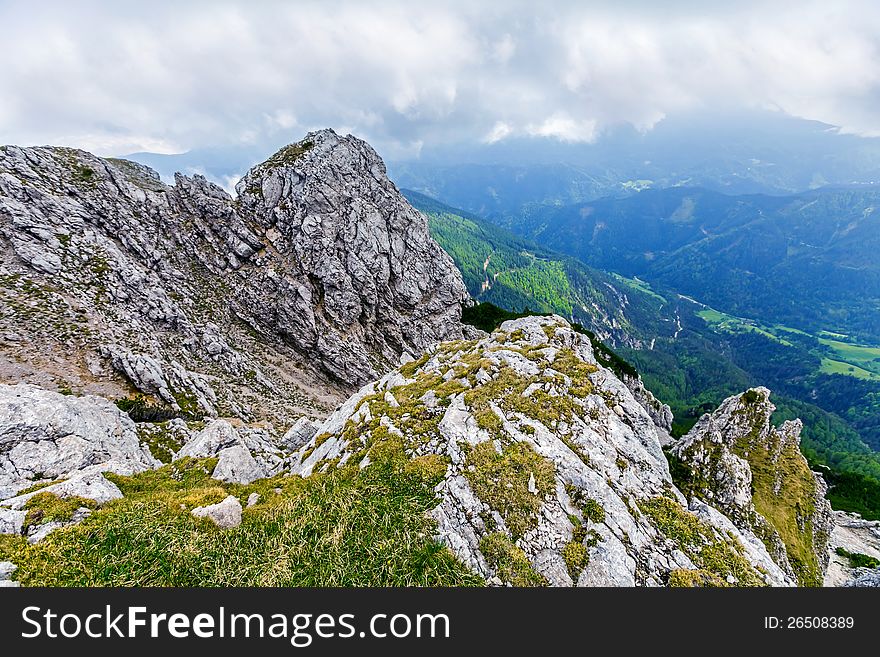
x: 7, y: 570
x: 543, y: 459
x: 45, y: 436
x: 659, y: 412
x: 244, y: 455
x: 854, y: 535
x: 216, y: 436
x: 90, y: 484
x: 365, y: 281
x: 302, y: 431
x: 11, y: 520
x: 318, y: 277
x: 754, y: 473
x: 865, y: 577
x: 225, y: 514
x: 235, y: 465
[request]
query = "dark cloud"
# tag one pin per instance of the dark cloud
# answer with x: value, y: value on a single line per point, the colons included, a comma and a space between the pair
x: 169, y: 76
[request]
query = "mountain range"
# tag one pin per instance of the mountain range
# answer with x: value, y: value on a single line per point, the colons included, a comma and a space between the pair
x: 276, y: 387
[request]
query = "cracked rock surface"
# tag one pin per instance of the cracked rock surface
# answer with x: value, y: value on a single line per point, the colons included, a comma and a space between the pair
x: 45, y: 436
x: 553, y: 472
x: 315, y: 279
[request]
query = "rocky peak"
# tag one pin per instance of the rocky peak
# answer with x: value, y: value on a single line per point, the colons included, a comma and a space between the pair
x: 317, y: 278
x: 372, y: 284
x: 754, y: 473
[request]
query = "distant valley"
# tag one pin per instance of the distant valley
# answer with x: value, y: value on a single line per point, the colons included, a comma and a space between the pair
x: 690, y: 353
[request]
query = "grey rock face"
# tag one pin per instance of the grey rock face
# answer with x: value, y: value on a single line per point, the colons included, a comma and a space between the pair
x: 236, y: 465
x: 365, y: 281
x: 244, y: 455
x: 276, y: 304
x: 216, y: 436
x: 547, y: 455
x: 865, y: 577
x: 225, y: 514
x: 740, y: 464
x: 11, y: 520
x: 45, y: 436
x: 659, y: 412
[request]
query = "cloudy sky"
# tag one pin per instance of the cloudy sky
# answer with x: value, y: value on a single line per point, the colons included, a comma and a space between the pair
x: 117, y: 77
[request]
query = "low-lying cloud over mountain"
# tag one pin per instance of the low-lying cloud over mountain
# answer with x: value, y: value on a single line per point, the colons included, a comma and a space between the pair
x: 169, y: 77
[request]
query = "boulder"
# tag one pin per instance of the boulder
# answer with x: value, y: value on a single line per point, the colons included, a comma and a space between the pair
x: 45, y: 435
x: 225, y: 514
x: 244, y: 455
x: 302, y: 431
x: 235, y: 465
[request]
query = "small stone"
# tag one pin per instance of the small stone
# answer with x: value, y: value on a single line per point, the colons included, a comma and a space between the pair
x: 225, y: 514
x: 6, y: 570
x: 533, y: 486
x: 252, y: 499
x: 11, y: 521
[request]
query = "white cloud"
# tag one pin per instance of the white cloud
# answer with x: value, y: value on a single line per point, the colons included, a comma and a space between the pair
x: 564, y: 128
x: 498, y: 132
x: 503, y: 49
x: 170, y: 76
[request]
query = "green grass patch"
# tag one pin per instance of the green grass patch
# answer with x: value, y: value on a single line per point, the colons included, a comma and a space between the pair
x: 349, y: 527
x: 576, y: 557
x: 502, y: 482
x: 719, y: 556
x: 831, y: 366
x: 509, y: 561
x: 48, y: 507
x: 857, y: 559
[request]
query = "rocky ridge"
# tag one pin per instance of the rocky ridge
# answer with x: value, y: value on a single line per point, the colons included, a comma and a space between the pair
x: 754, y: 473
x: 318, y: 277
x: 551, y: 470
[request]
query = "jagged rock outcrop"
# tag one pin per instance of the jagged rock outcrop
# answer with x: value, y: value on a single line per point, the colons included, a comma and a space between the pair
x: 45, y: 436
x: 659, y: 412
x: 754, y: 473
x: 365, y: 283
x: 547, y: 469
x: 272, y: 305
x: 243, y: 455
